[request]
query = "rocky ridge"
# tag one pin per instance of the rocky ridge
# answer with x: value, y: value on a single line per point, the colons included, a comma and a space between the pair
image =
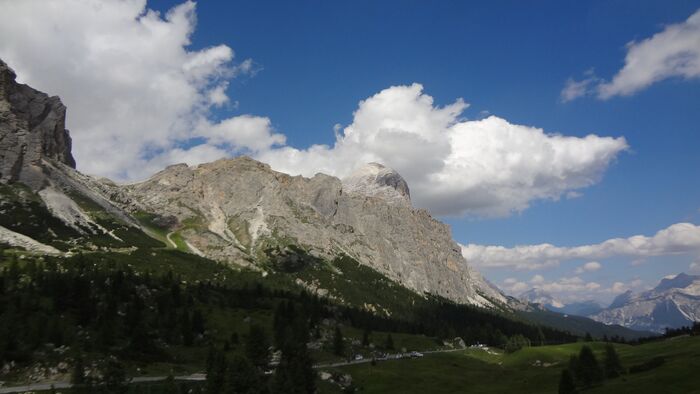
x: 675, y: 302
x: 236, y: 210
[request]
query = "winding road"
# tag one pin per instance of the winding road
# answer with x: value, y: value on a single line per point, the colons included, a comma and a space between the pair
x: 200, y: 376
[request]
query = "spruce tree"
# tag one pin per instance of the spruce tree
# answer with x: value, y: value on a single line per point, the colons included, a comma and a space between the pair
x: 295, y: 374
x: 338, y: 343
x: 365, y: 337
x: 566, y: 383
x: 78, y: 375
x: 389, y: 343
x: 216, y: 372
x: 257, y: 347
x: 242, y: 377
x: 611, y: 363
x: 114, y: 379
x: 589, y: 371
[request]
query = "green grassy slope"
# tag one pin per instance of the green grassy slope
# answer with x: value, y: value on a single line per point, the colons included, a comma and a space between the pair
x: 530, y: 370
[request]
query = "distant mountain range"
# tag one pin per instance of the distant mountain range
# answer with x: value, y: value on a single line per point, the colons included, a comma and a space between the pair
x: 673, y: 303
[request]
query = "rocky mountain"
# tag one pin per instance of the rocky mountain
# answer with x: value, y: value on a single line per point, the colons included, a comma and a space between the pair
x: 674, y: 302
x: 540, y: 297
x: 583, y: 308
x: 547, y: 301
x: 239, y: 211
x: 32, y: 129
x: 235, y: 211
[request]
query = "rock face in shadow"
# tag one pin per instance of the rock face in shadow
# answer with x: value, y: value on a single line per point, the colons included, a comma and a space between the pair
x: 32, y: 129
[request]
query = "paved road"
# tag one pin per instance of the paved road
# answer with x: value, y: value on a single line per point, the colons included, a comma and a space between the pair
x: 199, y: 376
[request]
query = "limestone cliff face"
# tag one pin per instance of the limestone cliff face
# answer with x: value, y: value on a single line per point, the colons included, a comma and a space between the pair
x: 32, y: 129
x: 232, y: 209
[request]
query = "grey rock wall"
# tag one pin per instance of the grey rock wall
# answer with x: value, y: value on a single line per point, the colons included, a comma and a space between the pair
x: 32, y: 128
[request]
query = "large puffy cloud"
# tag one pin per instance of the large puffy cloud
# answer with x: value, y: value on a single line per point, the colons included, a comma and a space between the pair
x: 455, y: 166
x: 139, y: 99
x: 136, y: 96
x: 673, y: 52
x: 680, y: 238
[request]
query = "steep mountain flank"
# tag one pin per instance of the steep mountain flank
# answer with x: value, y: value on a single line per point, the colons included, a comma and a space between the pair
x: 242, y: 212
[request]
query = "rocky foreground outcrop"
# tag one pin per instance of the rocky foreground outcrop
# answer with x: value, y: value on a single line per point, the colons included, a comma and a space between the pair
x: 32, y: 129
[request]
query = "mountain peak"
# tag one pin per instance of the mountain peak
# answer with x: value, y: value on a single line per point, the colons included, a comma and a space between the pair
x: 540, y: 296
x: 680, y: 281
x: 377, y: 180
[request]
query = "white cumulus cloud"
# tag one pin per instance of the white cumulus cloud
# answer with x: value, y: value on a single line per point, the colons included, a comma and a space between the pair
x: 139, y: 98
x: 135, y: 93
x: 588, y: 267
x: 673, y: 52
x: 488, y: 167
x: 679, y: 238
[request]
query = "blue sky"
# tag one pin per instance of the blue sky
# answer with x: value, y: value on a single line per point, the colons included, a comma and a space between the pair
x: 312, y: 62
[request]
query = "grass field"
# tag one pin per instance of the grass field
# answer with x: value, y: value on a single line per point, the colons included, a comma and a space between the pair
x: 476, y: 371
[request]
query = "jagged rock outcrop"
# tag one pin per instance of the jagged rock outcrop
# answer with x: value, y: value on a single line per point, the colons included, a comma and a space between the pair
x: 233, y: 209
x: 32, y: 128
x: 674, y: 303
x: 35, y: 150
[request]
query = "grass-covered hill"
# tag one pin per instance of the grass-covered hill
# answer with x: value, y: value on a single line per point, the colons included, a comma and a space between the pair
x: 533, y: 370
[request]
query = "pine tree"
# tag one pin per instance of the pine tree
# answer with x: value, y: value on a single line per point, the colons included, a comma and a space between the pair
x: 389, y: 343
x: 295, y: 374
x: 365, y: 337
x: 198, y: 325
x: 566, y: 383
x: 611, y: 363
x: 338, y: 343
x: 589, y: 371
x: 114, y: 378
x: 216, y: 372
x: 242, y: 377
x: 257, y: 347
x: 541, y: 341
x: 78, y: 374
